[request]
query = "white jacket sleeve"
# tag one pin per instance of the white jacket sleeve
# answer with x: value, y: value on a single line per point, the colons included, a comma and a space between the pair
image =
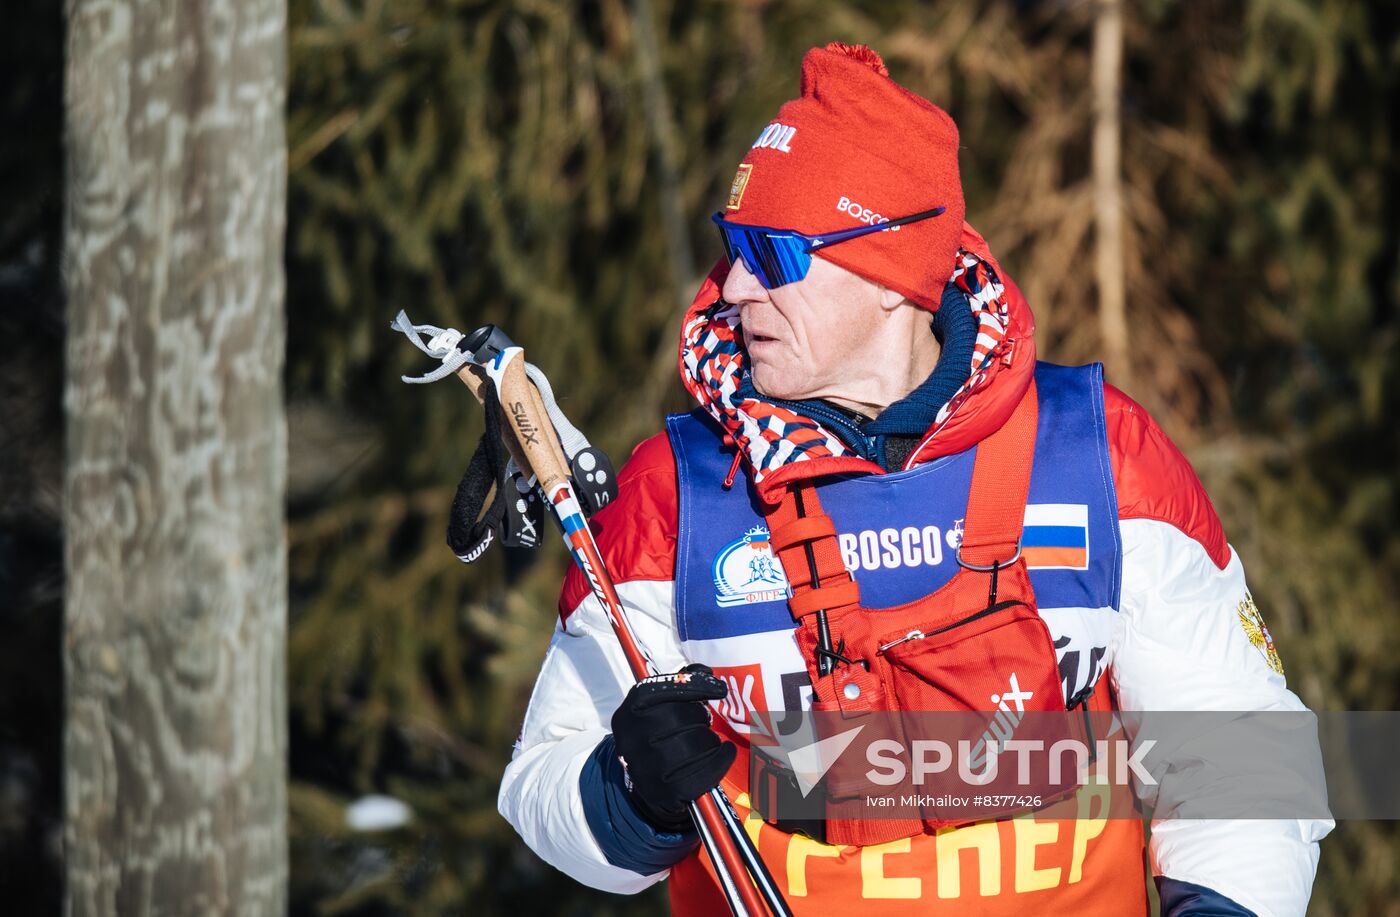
x: 582, y: 681
x: 1180, y: 645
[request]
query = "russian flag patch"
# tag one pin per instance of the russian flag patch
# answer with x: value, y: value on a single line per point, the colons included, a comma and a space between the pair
x: 1056, y: 536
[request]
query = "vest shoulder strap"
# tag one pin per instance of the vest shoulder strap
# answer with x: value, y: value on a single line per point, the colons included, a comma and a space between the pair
x: 1001, y: 480
x: 804, y: 538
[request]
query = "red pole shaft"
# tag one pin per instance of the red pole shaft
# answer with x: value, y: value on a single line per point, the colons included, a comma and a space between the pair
x: 587, y: 556
x: 536, y: 440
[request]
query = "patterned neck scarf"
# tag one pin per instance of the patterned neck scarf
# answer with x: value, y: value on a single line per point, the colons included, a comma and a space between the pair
x: 771, y: 436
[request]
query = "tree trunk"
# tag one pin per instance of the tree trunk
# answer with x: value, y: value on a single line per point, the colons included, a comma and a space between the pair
x: 1108, y: 188
x: 176, y: 737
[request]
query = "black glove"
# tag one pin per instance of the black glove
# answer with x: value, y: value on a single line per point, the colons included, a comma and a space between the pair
x: 669, y: 753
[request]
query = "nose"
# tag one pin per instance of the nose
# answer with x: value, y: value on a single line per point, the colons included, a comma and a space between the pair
x: 741, y: 285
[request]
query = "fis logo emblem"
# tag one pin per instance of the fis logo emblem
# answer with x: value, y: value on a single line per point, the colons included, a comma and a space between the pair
x: 775, y: 137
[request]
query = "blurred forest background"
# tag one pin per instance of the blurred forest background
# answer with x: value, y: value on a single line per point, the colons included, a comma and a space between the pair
x: 550, y: 166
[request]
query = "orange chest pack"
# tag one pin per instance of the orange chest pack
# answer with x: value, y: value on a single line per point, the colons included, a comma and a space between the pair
x: 971, y: 658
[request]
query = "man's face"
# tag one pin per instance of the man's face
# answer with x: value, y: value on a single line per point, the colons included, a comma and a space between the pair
x: 807, y: 339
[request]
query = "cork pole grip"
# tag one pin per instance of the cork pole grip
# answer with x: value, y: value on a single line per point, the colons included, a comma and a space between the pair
x: 541, y: 414
x: 476, y: 380
x: 529, y: 422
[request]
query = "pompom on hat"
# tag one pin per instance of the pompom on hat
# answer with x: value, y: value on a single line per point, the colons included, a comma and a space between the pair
x: 853, y: 148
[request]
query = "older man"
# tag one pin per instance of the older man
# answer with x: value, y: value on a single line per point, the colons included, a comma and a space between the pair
x: 866, y: 363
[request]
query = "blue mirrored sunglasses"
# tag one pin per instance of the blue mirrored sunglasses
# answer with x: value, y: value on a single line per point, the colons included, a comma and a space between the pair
x: 781, y: 256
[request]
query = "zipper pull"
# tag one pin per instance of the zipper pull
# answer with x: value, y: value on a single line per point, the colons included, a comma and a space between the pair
x: 912, y: 635
x: 733, y: 471
x: 729, y: 440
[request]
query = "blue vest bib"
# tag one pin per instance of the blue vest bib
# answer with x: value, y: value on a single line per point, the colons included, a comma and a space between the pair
x: 898, y: 534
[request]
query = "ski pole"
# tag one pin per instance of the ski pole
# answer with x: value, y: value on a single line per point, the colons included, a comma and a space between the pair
x: 526, y: 419
x: 530, y: 436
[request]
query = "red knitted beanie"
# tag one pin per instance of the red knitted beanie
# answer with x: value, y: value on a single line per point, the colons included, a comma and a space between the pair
x: 854, y: 148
